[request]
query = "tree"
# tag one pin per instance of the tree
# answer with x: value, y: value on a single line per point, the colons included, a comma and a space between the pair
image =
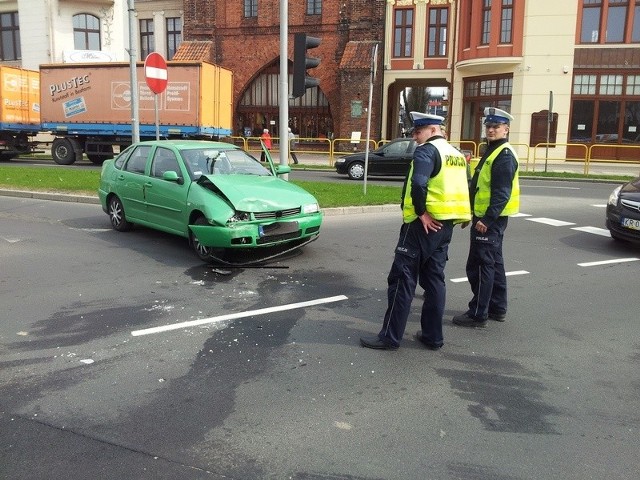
x: 415, y: 99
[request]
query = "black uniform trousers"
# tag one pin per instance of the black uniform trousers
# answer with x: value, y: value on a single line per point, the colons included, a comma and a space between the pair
x: 418, y: 257
x: 485, y: 270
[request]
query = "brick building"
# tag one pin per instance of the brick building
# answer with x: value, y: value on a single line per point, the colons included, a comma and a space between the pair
x: 243, y: 36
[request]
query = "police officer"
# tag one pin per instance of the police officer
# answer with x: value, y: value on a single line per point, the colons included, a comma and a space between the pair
x: 495, y: 194
x: 435, y: 197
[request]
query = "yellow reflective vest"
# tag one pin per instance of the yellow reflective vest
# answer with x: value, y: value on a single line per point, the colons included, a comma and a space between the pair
x: 447, y: 192
x: 482, y: 196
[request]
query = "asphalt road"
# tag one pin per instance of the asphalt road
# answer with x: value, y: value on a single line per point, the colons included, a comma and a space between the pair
x: 551, y: 393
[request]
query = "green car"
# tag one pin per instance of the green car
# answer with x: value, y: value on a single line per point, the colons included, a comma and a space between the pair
x: 213, y: 193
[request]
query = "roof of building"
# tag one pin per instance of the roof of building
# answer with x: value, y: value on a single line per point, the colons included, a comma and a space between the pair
x: 357, y: 55
x: 195, y: 50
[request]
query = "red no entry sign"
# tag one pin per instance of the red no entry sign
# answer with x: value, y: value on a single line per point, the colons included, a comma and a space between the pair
x: 155, y: 72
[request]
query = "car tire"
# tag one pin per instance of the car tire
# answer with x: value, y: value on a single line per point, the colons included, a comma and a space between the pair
x: 117, y: 216
x: 356, y: 171
x: 202, y: 252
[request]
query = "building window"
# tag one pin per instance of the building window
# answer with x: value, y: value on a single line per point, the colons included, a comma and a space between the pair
x: 437, y: 46
x: 314, y: 7
x: 250, y: 8
x: 506, y: 21
x: 635, y: 28
x: 493, y: 91
x: 403, y: 33
x: 633, y: 85
x: 610, y: 21
x: 174, y: 35
x: 584, y: 85
x: 86, y: 32
x: 147, y: 39
x: 611, y: 85
x: 9, y: 36
x: 486, y: 22
x: 605, y: 109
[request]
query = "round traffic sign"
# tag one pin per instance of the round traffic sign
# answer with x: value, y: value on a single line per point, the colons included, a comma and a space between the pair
x: 155, y: 72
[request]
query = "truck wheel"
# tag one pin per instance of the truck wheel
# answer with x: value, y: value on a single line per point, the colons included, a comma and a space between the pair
x: 117, y: 216
x: 63, y: 152
x: 104, y: 152
x: 5, y: 157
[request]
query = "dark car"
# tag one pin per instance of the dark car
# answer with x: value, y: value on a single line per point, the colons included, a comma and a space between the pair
x: 623, y: 212
x: 392, y: 159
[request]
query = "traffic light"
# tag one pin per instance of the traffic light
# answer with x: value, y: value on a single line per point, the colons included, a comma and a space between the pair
x: 302, y: 43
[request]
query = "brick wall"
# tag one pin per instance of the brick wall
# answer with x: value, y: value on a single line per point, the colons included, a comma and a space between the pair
x: 247, y: 45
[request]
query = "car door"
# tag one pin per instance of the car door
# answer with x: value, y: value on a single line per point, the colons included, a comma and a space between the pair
x: 395, y: 157
x: 166, y: 199
x: 129, y: 183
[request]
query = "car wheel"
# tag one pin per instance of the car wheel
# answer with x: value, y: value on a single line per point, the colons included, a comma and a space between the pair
x: 117, y: 216
x: 356, y: 171
x: 202, y: 252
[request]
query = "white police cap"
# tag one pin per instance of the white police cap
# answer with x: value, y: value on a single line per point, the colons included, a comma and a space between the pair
x: 424, y: 119
x: 495, y: 115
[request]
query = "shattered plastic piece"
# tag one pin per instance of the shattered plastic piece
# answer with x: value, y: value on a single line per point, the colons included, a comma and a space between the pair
x: 88, y: 361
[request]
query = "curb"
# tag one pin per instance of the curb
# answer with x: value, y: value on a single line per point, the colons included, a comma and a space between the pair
x: 63, y: 197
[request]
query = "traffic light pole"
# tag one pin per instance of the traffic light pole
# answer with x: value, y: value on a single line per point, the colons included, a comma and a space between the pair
x: 284, y: 84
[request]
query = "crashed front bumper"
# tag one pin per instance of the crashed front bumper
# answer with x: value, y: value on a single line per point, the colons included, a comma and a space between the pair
x: 263, y: 234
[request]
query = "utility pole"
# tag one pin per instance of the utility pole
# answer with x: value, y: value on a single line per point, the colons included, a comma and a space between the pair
x: 133, y: 57
x: 284, y: 84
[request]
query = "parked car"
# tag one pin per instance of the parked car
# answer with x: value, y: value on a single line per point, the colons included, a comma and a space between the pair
x: 391, y: 159
x: 213, y: 193
x: 623, y: 212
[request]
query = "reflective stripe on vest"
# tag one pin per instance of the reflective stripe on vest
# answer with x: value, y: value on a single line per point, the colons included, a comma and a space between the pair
x: 483, y: 191
x: 447, y: 192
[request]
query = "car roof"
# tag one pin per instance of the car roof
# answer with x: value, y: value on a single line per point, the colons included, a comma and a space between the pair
x: 182, y: 144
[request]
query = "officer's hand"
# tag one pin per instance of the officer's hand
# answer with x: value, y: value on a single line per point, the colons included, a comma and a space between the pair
x: 429, y: 223
x: 480, y: 227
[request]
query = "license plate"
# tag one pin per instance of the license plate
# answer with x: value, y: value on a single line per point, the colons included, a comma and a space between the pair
x: 277, y: 229
x: 630, y: 223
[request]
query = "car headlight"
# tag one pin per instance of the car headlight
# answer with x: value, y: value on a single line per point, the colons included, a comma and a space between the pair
x: 240, y: 217
x: 310, y: 208
x: 613, y: 198
x: 341, y: 160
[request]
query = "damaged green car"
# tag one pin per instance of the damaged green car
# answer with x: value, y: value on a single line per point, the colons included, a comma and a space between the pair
x: 212, y: 193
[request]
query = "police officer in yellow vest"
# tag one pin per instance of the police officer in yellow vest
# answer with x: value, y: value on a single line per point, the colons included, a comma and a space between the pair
x: 434, y: 198
x: 495, y: 194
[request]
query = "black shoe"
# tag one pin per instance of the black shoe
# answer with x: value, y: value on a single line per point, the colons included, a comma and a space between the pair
x: 465, y: 320
x: 498, y: 317
x: 430, y: 346
x: 376, y: 343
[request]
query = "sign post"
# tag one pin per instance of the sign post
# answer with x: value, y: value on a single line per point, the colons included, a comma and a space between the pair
x: 156, y: 75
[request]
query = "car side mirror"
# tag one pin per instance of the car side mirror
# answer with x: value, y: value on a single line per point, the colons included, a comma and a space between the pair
x: 282, y: 169
x: 172, y: 176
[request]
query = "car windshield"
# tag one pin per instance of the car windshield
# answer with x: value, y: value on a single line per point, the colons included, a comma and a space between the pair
x: 221, y: 162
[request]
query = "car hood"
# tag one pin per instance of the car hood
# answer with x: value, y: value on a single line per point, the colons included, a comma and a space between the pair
x: 631, y: 190
x: 252, y: 193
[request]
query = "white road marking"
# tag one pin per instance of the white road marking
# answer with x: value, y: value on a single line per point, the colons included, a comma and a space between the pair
x: 233, y: 316
x: 518, y: 215
x: 550, y: 221
x: 595, y: 230
x: 551, y: 187
x: 608, y: 262
x: 508, y: 274
x: 600, y: 205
